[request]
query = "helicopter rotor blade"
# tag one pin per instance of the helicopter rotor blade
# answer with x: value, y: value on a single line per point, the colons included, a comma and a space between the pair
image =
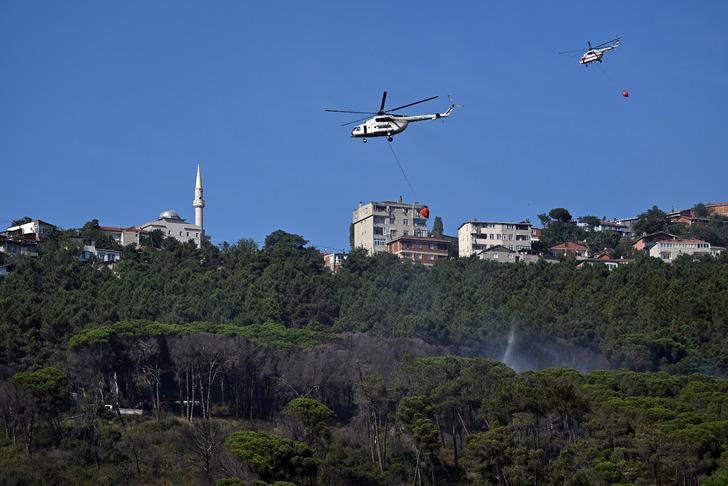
x: 349, y: 111
x: 411, y: 104
x: 384, y: 98
x: 616, y: 40
x: 355, y: 121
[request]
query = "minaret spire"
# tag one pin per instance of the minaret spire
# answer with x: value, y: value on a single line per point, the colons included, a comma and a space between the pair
x: 198, y: 204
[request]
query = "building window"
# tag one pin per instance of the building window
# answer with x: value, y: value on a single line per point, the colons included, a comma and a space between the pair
x: 405, y: 233
x: 378, y: 230
x: 405, y: 221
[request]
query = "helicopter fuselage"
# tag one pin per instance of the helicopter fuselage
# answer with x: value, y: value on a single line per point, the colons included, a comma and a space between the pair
x: 390, y: 125
x: 594, y: 55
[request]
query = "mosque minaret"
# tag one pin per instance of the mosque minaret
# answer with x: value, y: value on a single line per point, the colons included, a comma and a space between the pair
x: 199, y: 203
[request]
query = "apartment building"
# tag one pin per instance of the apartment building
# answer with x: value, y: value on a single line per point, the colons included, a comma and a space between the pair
x: 420, y: 249
x: 475, y: 236
x: 669, y: 250
x: 378, y: 223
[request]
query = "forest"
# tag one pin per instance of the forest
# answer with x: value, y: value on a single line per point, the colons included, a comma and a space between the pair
x: 259, y: 366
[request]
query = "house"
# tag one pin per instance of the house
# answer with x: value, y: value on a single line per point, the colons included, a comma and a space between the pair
x: 718, y: 209
x: 475, y: 236
x: 646, y: 241
x: 124, y: 236
x: 669, y: 250
x: 628, y: 223
x: 536, y: 234
x: 420, y: 249
x: 615, y: 226
x: 569, y: 248
x: 684, y: 216
x: 86, y: 251
x: 36, y: 229
x: 610, y: 263
x: 23, y: 245
x: 334, y: 261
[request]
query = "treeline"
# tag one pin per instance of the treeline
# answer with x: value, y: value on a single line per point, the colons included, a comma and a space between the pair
x: 644, y: 316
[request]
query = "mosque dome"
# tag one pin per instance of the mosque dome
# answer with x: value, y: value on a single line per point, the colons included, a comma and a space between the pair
x: 169, y: 214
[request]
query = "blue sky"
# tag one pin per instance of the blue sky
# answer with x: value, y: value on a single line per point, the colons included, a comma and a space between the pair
x: 107, y: 106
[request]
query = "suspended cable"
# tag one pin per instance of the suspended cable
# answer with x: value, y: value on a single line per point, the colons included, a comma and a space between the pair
x: 402, y: 170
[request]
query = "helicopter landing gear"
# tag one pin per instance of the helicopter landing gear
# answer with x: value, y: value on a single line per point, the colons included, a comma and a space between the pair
x: 389, y: 138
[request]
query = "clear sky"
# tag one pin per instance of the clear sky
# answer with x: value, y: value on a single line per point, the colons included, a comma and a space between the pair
x: 106, y: 106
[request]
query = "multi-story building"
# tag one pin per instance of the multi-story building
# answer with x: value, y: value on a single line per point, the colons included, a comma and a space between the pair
x: 378, y: 223
x: 475, y: 236
x: 668, y: 250
x: 420, y: 249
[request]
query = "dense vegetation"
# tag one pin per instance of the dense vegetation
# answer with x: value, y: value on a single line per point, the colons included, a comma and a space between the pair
x: 258, y: 363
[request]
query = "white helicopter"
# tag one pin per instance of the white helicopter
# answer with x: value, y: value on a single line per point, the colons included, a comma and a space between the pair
x: 595, y: 53
x: 386, y: 123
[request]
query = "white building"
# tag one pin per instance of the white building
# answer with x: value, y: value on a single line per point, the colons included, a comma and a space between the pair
x: 669, y: 250
x: 171, y: 224
x: 90, y: 252
x: 124, y: 236
x: 378, y: 223
x: 606, y: 226
x: 475, y: 236
x: 39, y: 228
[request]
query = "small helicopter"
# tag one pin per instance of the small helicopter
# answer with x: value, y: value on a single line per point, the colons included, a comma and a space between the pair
x: 386, y: 123
x: 595, y: 53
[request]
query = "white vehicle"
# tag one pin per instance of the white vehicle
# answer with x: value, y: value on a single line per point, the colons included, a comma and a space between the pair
x: 595, y: 53
x: 386, y: 123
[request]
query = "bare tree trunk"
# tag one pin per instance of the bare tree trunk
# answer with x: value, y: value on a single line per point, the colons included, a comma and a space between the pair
x: 417, y: 467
